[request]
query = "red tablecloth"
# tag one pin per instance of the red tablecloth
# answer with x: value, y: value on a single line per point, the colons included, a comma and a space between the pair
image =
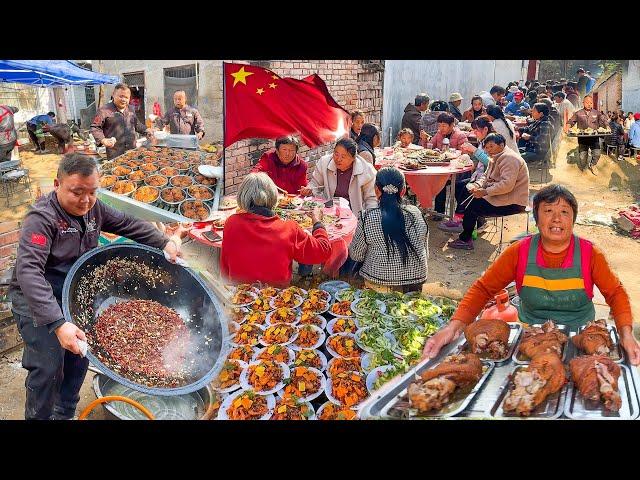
x: 339, y: 237
x: 427, y: 182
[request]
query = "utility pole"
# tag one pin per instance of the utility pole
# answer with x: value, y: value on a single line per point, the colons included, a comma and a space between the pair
x: 101, y: 89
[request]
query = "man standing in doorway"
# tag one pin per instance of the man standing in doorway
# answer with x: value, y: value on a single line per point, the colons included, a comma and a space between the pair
x: 183, y: 119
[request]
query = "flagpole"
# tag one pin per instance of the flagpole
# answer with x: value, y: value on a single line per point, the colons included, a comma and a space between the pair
x: 224, y: 124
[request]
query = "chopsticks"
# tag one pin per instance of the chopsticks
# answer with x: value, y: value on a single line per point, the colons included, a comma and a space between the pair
x: 467, y: 201
x: 282, y: 190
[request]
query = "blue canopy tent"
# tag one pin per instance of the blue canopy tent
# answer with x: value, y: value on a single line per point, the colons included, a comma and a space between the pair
x: 50, y: 73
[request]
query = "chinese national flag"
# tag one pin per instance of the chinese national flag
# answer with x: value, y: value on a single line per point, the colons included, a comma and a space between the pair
x: 260, y: 104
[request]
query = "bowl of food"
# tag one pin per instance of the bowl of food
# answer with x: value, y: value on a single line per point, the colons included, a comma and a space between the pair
x: 181, y: 181
x: 123, y: 187
x: 243, y: 298
x: 156, y: 181
x: 343, y: 345
x: 261, y: 304
x: 195, y: 209
x: 149, y: 167
x: 146, y: 194
x: 316, y: 292
x: 121, y: 171
x: 182, y: 166
x: 275, y: 353
x: 247, y: 334
x: 283, y: 315
x: 331, y: 411
x: 310, y: 358
x: 243, y: 353
x: 169, y: 171
x: 341, y: 309
x: 269, y: 292
x: 347, y: 294
x: 310, y: 318
x: 288, y: 408
x: 247, y: 405
x: 108, y: 181
x: 278, y: 334
x: 347, y: 389
x: 374, y: 339
x: 200, y: 192
x: 136, y: 176
x: 342, y: 325
x: 376, y: 377
x: 286, y: 298
x: 264, y: 376
x: 202, y: 180
x: 228, y: 380
x: 309, y: 337
x: 343, y: 364
x: 315, y: 304
x: 258, y: 317
x: 304, y: 383
x: 366, y: 306
x: 173, y: 195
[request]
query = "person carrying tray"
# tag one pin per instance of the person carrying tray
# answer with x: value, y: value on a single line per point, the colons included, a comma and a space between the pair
x: 588, y: 117
x: 60, y: 228
x: 555, y: 272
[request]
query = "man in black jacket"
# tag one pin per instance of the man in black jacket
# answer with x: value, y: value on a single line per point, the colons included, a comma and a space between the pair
x: 60, y: 228
x: 413, y: 114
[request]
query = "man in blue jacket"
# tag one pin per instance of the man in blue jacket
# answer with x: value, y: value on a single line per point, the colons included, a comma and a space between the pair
x: 34, y: 129
x: 634, y: 132
x: 518, y: 106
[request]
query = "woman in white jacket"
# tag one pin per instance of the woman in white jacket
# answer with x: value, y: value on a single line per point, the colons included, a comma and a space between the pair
x: 503, y: 126
x: 345, y: 174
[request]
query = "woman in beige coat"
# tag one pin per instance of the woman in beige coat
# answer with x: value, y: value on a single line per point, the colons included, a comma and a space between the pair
x: 503, y: 189
x: 345, y: 174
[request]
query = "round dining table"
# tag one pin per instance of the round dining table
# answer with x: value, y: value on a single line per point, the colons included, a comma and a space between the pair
x: 340, y: 233
x: 427, y: 182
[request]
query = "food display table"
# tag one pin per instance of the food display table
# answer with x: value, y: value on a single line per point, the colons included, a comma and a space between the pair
x: 340, y: 235
x: 485, y: 400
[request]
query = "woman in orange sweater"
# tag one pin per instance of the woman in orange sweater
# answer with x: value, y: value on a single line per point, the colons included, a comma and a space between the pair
x: 554, y: 271
x: 259, y: 246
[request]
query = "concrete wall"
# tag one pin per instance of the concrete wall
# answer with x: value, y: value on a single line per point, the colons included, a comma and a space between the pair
x: 209, y: 91
x: 631, y: 87
x: 403, y: 79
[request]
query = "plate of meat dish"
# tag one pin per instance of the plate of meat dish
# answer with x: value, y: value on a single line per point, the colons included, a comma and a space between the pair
x: 247, y: 405
x: 541, y: 338
x: 600, y: 389
x: 598, y: 338
x: 491, y: 339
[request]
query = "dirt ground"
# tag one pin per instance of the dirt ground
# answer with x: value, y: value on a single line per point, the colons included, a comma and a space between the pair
x: 616, y: 185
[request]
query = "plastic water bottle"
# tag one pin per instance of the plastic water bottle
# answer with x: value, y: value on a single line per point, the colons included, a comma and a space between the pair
x: 445, y: 145
x: 474, y: 235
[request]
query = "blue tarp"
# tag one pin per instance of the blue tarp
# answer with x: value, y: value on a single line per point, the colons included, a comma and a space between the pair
x: 50, y: 73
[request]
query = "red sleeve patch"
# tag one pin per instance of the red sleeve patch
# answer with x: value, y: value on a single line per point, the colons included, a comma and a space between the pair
x: 38, y: 239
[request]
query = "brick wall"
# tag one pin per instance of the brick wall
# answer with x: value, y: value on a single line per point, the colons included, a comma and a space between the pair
x: 354, y: 84
x: 610, y: 94
x: 9, y: 236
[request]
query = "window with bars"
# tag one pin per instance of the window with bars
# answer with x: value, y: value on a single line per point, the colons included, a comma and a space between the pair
x: 90, y: 95
x: 134, y: 79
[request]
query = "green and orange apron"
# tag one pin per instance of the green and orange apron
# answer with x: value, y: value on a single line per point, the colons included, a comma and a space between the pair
x: 563, y: 294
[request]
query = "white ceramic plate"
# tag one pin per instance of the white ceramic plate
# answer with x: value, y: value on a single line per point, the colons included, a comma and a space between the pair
x: 244, y: 378
x: 222, y: 412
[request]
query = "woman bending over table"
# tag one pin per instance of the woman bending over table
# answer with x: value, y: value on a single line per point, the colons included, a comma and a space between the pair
x: 259, y: 246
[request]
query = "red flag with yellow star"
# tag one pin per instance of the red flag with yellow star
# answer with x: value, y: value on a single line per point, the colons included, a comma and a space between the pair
x: 260, y: 104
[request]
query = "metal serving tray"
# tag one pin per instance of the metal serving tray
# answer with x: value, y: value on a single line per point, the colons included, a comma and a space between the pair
x: 551, y: 408
x: 520, y: 358
x: 178, y: 141
x: 514, y: 337
x: 617, y: 352
x: 577, y: 407
x: 390, y: 401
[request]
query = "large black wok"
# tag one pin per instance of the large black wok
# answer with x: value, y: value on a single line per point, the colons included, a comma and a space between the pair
x: 180, y: 289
